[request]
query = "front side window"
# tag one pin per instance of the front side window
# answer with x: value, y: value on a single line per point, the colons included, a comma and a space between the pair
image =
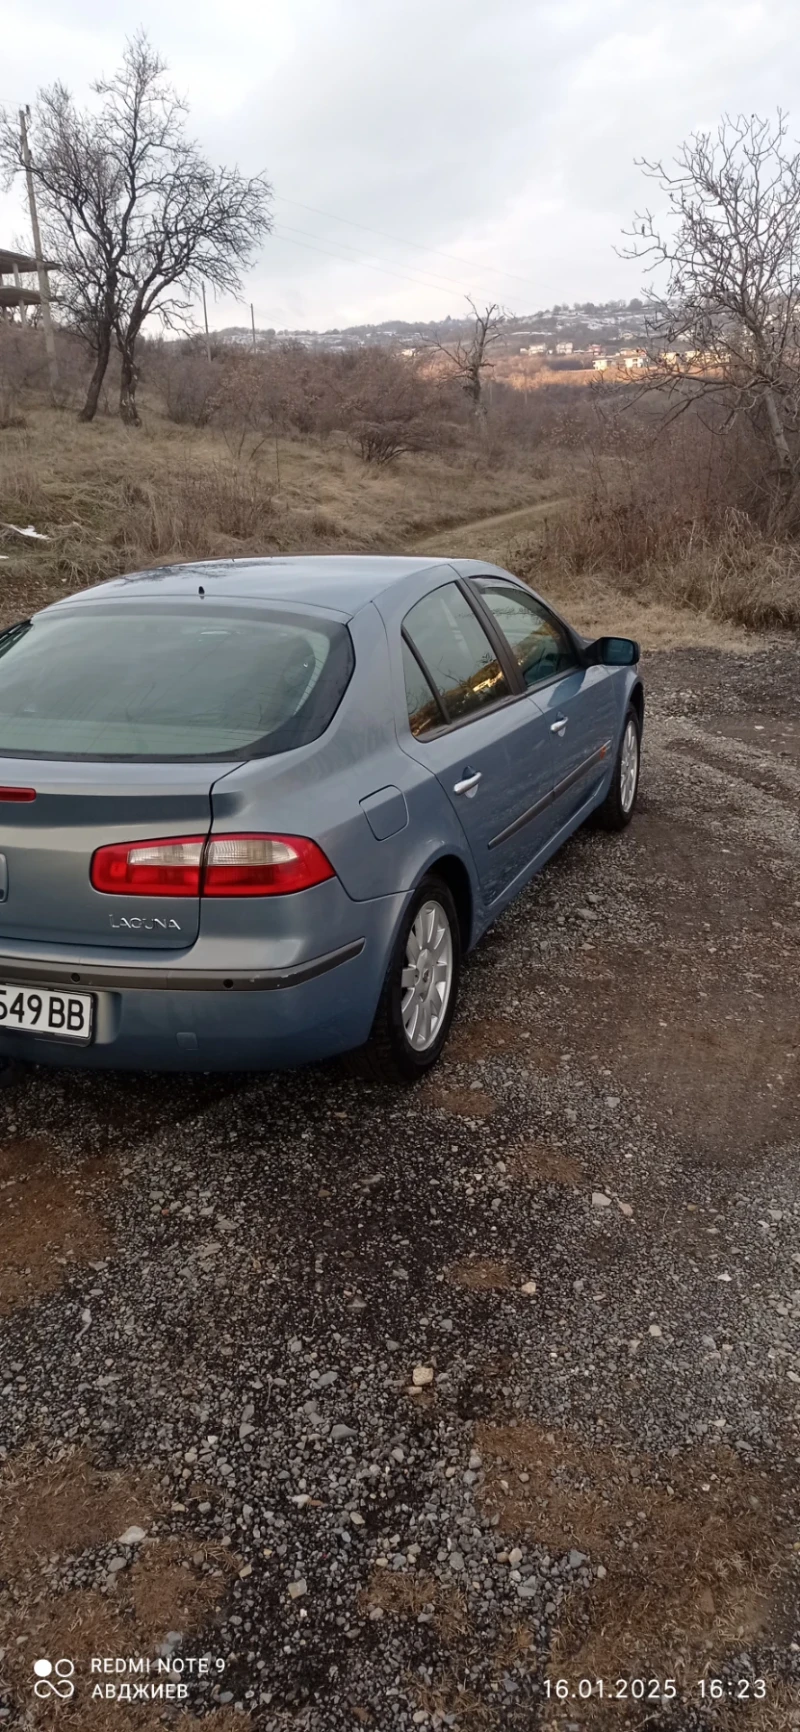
x: 455, y: 651
x: 540, y: 646
x: 161, y: 682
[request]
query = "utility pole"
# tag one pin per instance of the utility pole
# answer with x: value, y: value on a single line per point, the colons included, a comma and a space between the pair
x: 44, y: 286
x: 205, y: 322
x: 253, y: 325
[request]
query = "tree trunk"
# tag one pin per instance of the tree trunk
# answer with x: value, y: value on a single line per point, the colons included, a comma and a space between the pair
x: 779, y: 439
x: 128, y: 382
x: 782, y: 509
x: 89, y: 409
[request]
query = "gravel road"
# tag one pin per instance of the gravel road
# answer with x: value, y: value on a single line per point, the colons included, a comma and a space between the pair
x: 408, y: 1403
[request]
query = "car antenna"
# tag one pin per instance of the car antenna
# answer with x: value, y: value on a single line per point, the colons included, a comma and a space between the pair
x: 200, y: 589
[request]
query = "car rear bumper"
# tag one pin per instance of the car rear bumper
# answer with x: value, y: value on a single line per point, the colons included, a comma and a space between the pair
x: 169, y: 1018
x: 112, y: 977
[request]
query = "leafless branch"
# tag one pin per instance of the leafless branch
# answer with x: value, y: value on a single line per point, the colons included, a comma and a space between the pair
x: 724, y: 324
x: 135, y: 215
x: 470, y: 358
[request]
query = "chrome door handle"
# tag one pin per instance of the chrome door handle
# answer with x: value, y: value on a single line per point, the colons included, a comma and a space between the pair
x: 559, y: 726
x: 469, y: 784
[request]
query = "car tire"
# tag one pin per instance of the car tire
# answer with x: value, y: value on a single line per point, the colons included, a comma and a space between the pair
x: 620, y: 802
x: 402, y: 1048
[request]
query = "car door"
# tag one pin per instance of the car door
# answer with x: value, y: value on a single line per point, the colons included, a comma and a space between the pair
x: 485, y: 739
x: 577, y: 701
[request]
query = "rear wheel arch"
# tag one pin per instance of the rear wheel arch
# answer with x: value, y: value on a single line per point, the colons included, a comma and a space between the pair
x: 455, y: 875
x: 417, y: 981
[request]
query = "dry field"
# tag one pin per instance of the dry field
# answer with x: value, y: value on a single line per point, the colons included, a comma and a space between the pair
x: 111, y: 499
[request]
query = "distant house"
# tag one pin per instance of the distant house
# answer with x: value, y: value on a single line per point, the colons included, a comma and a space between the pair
x: 600, y: 363
x: 409, y: 353
x: 564, y: 348
x: 535, y: 349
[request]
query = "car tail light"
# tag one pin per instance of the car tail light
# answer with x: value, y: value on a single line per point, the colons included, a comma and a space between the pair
x: 17, y: 793
x: 170, y: 867
x: 221, y: 866
x: 263, y: 865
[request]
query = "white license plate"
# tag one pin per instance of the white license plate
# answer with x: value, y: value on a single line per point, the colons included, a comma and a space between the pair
x: 37, y: 1010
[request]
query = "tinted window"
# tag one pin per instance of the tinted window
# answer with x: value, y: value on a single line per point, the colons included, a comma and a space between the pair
x: 423, y: 707
x: 456, y: 651
x: 147, y: 682
x: 541, y: 647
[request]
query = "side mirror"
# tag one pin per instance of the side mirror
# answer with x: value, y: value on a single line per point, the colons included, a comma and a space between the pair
x: 614, y: 652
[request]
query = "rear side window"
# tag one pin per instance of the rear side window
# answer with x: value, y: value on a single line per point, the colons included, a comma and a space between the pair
x: 424, y: 711
x: 456, y: 653
x: 161, y: 683
x: 541, y: 647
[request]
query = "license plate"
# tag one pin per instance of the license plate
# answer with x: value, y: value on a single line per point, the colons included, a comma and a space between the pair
x: 37, y: 1010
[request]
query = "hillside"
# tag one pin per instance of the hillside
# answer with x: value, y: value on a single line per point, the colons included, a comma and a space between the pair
x: 583, y: 324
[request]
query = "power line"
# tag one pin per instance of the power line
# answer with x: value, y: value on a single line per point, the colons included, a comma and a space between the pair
x: 365, y: 265
x: 398, y: 239
x: 449, y: 282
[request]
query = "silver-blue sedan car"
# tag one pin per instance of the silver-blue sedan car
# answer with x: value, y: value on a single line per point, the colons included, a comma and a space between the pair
x: 253, y: 812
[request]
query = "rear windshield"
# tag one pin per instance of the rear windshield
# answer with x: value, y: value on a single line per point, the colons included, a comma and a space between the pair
x: 151, y: 683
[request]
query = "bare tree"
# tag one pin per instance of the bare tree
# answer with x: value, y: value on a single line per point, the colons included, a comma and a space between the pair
x: 132, y: 210
x: 470, y: 358
x: 388, y: 407
x: 724, y: 327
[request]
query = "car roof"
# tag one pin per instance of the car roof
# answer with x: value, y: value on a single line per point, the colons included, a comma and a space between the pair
x: 339, y: 583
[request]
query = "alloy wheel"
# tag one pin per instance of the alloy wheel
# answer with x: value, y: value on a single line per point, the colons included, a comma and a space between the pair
x: 427, y: 976
x: 629, y: 765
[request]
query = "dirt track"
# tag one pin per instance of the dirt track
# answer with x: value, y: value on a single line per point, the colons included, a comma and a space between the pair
x: 479, y: 539
x: 203, y: 1282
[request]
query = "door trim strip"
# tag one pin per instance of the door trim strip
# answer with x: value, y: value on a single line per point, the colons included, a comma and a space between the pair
x: 554, y: 794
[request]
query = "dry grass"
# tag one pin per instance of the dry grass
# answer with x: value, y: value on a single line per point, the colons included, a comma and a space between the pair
x: 462, y: 1103
x: 543, y: 1164
x: 476, y: 1040
x: 173, y: 1590
x: 778, y: 1712
x: 405, y: 1596
x: 49, y: 1507
x: 595, y: 598
x: 597, y: 605
x: 79, y: 1625
x: 49, y: 1222
x: 728, y: 570
x: 114, y: 499
x: 50, y: 1510
x: 483, y: 1275
x: 694, y: 1548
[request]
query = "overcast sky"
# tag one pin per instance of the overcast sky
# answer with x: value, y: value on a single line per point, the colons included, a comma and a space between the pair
x: 502, y: 136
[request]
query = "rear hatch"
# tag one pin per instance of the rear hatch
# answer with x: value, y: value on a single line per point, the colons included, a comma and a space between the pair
x: 117, y: 718
x: 46, y: 848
